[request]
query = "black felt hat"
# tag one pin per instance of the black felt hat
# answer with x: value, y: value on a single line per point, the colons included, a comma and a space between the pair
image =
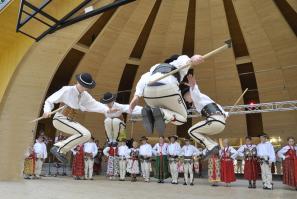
x: 108, y: 97
x: 86, y: 80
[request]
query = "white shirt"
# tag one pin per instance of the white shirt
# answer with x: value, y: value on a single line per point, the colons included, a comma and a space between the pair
x: 266, y: 149
x: 158, y: 149
x: 147, y: 77
x: 174, y: 149
x: 233, y: 153
x: 123, y: 151
x: 70, y: 96
x: 40, y: 150
x: 91, y: 147
x: 200, y: 100
x: 281, y: 153
x: 122, y: 108
x: 189, y: 150
x: 242, y: 148
x: 146, y: 150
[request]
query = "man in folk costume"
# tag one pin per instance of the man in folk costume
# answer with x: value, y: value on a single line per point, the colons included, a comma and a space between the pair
x: 98, y: 159
x: 174, y: 150
x: 133, y: 162
x: 161, y: 166
x: 163, y: 98
x: 123, y: 153
x: 214, y: 167
x: 78, y: 163
x: 29, y: 163
x: 113, y: 124
x: 249, y: 152
x: 215, y: 116
x: 90, y: 151
x: 145, y: 154
x: 188, y: 152
x: 228, y: 155
x: 266, y: 154
x: 40, y: 154
x: 289, y: 156
x: 113, y: 160
x: 75, y: 98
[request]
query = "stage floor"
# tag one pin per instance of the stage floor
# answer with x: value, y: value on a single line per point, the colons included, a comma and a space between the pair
x: 67, y: 188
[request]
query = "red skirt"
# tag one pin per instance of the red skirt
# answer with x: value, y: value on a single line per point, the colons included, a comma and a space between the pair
x: 290, y: 172
x: 251, y: 169
x: 227, y: 171
x: 78, y: 165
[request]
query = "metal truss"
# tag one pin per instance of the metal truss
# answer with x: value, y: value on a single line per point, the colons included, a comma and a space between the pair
x: 244, y: 109
x: 65, y: 21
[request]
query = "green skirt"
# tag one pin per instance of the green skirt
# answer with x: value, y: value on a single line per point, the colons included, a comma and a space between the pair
x: 161, y: 168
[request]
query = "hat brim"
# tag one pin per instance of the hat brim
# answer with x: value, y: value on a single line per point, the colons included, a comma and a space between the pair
x: 106, y: 101
x: 263, y: 135
x: 143, y: 139
x: 173, y: 136
x: 90, y: 86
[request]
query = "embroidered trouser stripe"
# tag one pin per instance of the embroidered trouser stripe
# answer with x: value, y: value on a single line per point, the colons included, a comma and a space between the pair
x: 211, y: 126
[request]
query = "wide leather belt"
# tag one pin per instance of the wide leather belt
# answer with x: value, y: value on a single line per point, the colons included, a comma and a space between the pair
x: 211, y: 109
x: 70, y: 113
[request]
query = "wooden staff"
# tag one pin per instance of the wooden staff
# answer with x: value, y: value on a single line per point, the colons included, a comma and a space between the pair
x: 238, y: 100
x: 228, y: 44
x: 40, y: 118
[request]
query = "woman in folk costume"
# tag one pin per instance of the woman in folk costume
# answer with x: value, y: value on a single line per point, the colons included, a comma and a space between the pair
x: 160, y: 150
x: 75, y: 97
x: 289, y: 156
x: 251, y: 165
x: 215, y: 116
x: 227, y: 154
x: 113, y: 160
x: 78, y: 163
x: 113, y: 124
x: 214, y: 167
x: 133, y: 162
x: 29, y: 163
x: 163, y: 98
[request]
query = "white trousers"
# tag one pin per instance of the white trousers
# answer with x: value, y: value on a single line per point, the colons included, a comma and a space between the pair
x: 188, y: 169
x: 123, y: 165
x: 38, y: 167
x: 89, y: 163
x: 211, y: 126
x: 173, y: 171
x: 145, y: 170
x: 113, y: 127
x: 79, y: 134
x: 168, y: 98
x: 266, y: 175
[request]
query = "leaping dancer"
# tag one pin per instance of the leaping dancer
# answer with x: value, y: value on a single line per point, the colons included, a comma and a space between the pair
x: 164, y: 99
x: 160, y: 89
x: 74, y: 97
x: 214, y: 114
x: 113, y: 124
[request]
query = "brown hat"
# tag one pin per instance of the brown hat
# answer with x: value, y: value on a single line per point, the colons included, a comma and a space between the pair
x: 263, y: 135
x: 173, y: 136
x: 143, y: 138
